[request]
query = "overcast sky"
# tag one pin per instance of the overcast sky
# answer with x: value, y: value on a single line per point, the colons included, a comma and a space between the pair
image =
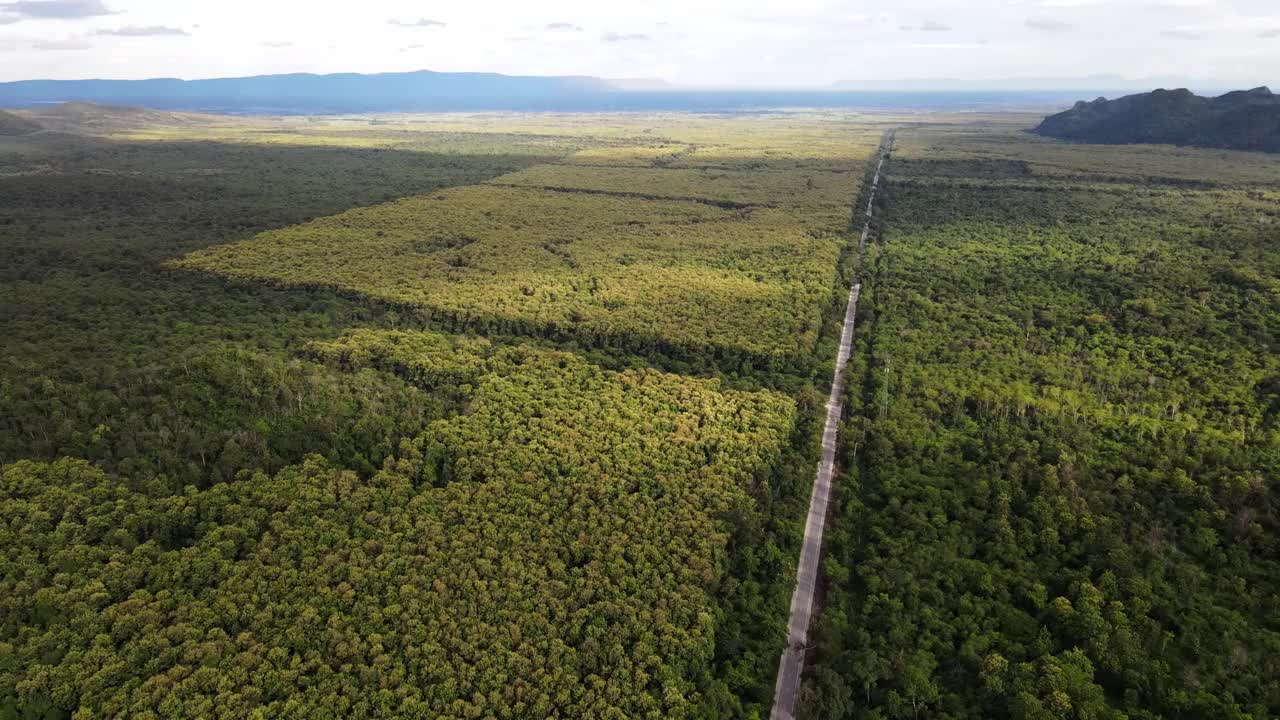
x: 697, y: 42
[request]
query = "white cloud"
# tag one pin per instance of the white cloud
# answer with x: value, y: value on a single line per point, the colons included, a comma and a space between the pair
x: 148, y: 31
x: 614, y: 37
x: 1047, y: 24
x: 419, y: 23
x: 712, y: 42
x: 54, y: 9
x: 948, y: 46
x: 61, y: 45
x: 927, y: 26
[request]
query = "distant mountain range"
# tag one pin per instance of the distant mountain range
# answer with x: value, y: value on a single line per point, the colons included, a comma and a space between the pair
x: 1241, y: 120
x: 426, y: 91
x: 343, y: 92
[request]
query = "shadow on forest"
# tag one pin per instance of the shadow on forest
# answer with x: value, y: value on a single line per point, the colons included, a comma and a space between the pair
x: 102, y: 336
x: 145, y: 369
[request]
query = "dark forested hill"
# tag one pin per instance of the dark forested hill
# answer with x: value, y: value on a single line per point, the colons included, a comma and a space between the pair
x: 86, y: 118
x: 11, y: 124
x: 1241, y: 120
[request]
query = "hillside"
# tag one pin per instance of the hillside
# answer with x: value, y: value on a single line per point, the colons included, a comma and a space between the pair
x: 93, y: 119
x: 11, y: 124
x: 1241, y: 120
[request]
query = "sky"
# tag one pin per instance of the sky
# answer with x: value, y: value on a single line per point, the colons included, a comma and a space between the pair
x: 1215, y: 44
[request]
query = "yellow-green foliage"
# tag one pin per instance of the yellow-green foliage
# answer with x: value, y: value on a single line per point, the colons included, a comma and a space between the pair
x: 375, y: 136
x: 620, y: 270
x: 605, y: 247
x: 1055, y: 159
x: 818, y: 199
x: 552, y: 552
x: 627, y: 155
x: 840, y: 155
x: 427, y: 359
x: 784, y: 140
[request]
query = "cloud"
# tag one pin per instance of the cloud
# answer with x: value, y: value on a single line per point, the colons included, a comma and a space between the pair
x: 9, y: 19
x: 563, y: 27
x: 1180, y: 34
x: 421, y: 23
x: 948, y: 46
x: 1047, y: 24
x: 927, y: 26
x: 147, y: 31
x: 53, y: 9
x: 1272, y: 33
x: 61, y: 45
x: 415, y: 46
x: 277, y: 44
x: 614, y: 37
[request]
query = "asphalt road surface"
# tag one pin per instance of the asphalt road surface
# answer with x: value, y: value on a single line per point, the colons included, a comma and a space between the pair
x: 791, y: 666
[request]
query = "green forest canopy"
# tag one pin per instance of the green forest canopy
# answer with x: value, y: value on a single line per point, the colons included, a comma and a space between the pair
x: 552, y: 552
x: 293, y: 506
x: 1065, y: 433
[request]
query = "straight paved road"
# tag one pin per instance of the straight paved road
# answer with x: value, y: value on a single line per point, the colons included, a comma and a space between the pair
x: 791, y: 666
